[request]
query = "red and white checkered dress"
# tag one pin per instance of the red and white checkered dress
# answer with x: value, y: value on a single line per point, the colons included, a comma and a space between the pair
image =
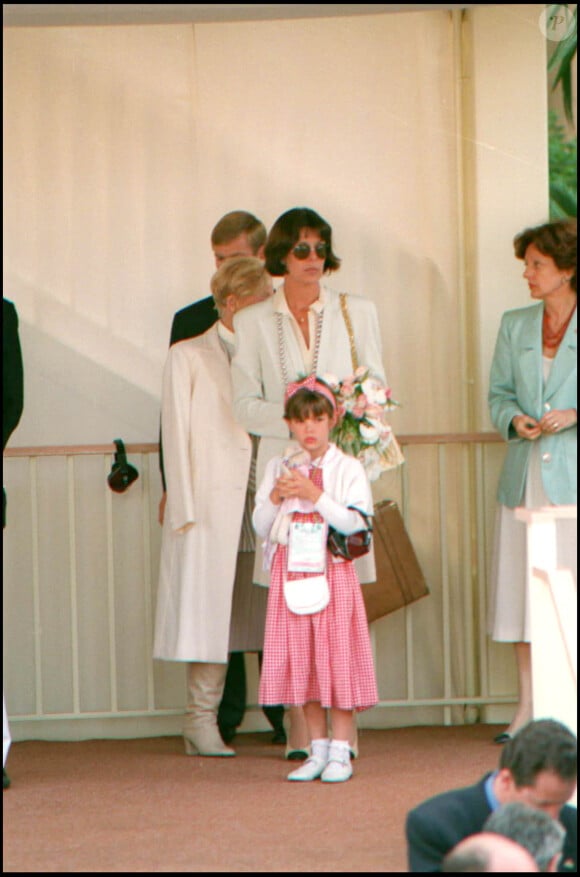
x: 324, y: 657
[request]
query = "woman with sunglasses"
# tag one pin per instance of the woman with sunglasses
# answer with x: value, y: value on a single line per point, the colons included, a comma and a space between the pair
x: 300, y: 330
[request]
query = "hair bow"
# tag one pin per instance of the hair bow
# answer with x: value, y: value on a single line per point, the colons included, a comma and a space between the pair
x: 313, y: 384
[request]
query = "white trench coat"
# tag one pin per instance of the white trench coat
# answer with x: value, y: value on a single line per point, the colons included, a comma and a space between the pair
x: 206, y: 456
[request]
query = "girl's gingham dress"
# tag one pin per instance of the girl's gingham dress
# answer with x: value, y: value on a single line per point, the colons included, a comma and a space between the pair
x: 324, y: 657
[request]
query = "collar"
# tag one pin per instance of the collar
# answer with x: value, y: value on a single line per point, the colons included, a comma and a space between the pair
x: 329, y: 455
x: 227, y: 339
x: 226, y: 334
x: 281, y: 305
x: 489, y: 791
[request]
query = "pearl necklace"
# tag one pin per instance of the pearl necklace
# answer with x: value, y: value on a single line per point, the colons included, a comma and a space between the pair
x: 282, y: 346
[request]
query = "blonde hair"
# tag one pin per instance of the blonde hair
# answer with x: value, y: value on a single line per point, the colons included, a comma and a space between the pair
x: 239, y: 276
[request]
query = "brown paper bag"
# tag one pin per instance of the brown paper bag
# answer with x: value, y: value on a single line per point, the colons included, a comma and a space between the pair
x: 400, y: 580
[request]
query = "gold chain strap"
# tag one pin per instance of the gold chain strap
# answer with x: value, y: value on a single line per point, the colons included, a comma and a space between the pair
x: 346, y: 315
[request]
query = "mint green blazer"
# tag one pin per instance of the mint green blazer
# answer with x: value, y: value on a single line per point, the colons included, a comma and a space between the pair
x: 516, y: 387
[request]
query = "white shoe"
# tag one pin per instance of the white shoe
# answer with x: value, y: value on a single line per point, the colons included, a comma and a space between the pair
x: 339, y: 768
x: 336, y: 772
x: 310, y: 770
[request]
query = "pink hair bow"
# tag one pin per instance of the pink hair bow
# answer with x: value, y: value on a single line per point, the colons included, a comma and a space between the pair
x: 314, y: 385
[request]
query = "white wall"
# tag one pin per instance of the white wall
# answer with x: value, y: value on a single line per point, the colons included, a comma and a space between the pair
x: 509, y: 150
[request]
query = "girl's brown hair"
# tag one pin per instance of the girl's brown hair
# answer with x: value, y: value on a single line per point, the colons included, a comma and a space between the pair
x: 306, y: 403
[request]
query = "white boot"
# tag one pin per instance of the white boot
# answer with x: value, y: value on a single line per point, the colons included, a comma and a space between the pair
x: 339, y: 767
x: 205, y: 686
x: 313, y: 766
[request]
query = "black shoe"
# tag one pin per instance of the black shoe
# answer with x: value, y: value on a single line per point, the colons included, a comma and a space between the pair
x: 227, y: 733
x: 503, y: 737
x: 279, y: 735
x: 296, y: 755
x: 5, y: 779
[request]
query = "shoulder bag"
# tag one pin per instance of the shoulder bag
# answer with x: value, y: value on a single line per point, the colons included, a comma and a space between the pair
x: 400, y: 580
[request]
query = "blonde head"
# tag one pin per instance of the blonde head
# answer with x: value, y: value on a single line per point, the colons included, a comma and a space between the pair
x: 240, y: 276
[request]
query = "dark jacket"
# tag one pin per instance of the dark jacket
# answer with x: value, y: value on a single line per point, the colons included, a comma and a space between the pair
x: 435, y: 826
x: 12, y: 378
x: 193, y: 320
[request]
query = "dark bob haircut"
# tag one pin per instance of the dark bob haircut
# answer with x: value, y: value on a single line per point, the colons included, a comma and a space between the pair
x: 555, y: 239
x: 285, y: 234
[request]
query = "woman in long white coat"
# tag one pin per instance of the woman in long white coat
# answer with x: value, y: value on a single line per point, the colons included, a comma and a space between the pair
x: 207, y: 458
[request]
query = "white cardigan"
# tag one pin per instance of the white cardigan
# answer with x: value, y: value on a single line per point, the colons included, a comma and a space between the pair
x: 345, y: 484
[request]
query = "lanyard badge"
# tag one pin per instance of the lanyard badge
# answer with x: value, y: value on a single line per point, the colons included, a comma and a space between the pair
x: 307, y: 546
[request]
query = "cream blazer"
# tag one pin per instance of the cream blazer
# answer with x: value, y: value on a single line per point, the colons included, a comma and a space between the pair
x: 258, y: 385
x: 207, y: 460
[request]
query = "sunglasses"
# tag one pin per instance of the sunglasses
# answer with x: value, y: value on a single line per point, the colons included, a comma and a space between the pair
x: 302, y: 251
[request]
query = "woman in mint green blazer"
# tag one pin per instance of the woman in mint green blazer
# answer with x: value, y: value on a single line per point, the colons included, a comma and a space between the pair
x: 532, y: 403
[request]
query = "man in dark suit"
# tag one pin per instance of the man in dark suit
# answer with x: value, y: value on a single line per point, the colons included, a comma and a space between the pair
x: 537, y: 767
x: 236, y: 234
x: 12, y: 405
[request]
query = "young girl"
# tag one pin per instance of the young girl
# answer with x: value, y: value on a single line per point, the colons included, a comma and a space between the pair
x: 321, y: 660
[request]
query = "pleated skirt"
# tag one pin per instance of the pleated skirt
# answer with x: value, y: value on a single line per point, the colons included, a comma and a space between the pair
x: 509, y: 611
x: 325, y: 657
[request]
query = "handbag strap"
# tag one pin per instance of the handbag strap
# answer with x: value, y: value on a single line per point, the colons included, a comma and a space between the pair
x: 348, y: 323
x: 363, y: 515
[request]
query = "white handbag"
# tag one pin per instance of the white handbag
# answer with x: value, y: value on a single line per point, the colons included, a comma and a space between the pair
x: 307, y: 596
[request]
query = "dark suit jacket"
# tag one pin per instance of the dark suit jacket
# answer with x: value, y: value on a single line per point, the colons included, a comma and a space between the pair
x: 193, y: 320
x: 435, y: 826
x: 190, y: 321
x: 12, y: 378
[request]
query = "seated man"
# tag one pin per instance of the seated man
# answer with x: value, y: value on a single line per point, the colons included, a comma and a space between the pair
x: 532, y: 829
x: 537, y: 767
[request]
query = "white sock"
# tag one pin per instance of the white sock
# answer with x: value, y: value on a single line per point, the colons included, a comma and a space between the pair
x: 341, y: 747
x: 320, y: 747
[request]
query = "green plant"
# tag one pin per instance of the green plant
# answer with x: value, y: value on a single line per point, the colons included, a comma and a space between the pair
x: 562, y: 170
x: 561, y: 149
x: 562, y: 57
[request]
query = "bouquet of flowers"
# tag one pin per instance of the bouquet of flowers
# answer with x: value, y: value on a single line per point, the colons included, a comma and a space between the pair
x: 362, y: 429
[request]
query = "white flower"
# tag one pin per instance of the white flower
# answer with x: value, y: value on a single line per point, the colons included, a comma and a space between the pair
x: 369, y: 434
x: 330, y: 379
x: 374, y: 391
